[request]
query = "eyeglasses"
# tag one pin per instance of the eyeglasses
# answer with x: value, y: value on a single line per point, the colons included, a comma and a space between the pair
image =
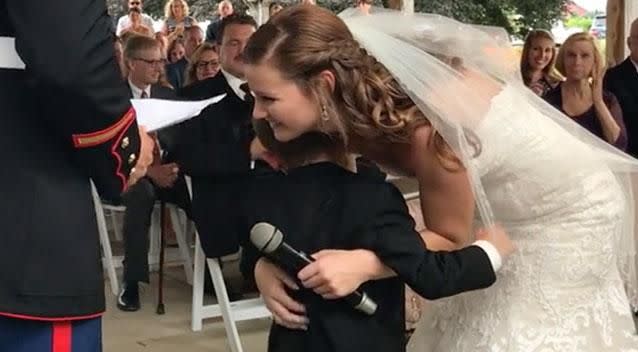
x: 204, y: 64
x: 151, y: 62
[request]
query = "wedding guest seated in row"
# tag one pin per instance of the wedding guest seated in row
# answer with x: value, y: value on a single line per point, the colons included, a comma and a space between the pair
x: 204, y: 63
x: 224, y: 9
x: 164, y: 181
x: 175, y: 51
x: 136, y: 24
x: 274, y: 7
x: 125, y: 21
x: 622, y: 81
x: 193, y: 37
x: 537, y: 62
x: 176, y: 18
x: 214, y: 147
x: 581, y: 96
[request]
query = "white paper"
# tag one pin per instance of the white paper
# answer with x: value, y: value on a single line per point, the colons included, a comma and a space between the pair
x: 155, y: 114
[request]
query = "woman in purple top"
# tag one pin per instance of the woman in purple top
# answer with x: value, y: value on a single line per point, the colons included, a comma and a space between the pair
x: 581, y: 95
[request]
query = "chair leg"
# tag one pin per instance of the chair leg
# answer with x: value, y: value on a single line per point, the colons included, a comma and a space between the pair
x: 107, y: 259
x: 232, y: 335
x: 198, y: 287
x: 180, y: 235
x: 117, y: 226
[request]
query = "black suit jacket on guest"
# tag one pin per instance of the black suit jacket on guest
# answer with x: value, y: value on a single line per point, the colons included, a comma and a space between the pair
x: 323, y: 206
x: 213, y: 148
x: 175, y: 72
x: 622, y: 81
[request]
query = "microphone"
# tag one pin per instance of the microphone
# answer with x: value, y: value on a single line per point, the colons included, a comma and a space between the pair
x: 270, y: 241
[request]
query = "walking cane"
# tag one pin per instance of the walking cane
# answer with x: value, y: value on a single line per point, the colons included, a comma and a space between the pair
x: 160, y: 291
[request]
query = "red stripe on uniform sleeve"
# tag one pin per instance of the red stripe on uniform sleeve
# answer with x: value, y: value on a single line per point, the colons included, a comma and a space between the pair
x: 61, y: 336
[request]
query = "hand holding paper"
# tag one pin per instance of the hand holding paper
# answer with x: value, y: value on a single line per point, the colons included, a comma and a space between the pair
x: 155, y: 114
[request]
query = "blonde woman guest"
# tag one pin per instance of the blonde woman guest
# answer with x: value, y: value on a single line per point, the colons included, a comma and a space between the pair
x: 581, y: 96
x: 176, y: 18
x: 204, y: 63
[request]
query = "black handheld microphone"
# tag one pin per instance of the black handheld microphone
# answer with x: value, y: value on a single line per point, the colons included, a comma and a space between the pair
x: 270, y: 241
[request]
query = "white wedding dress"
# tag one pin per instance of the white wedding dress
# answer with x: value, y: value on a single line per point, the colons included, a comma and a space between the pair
x: 562, y: 290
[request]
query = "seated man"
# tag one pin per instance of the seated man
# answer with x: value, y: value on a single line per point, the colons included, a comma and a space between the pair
x: 143, y: 60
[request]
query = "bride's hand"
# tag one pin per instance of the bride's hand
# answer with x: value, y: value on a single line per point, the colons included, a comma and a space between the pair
x: 337, y: 273
x: 272, y: 282
x: 499, y: 238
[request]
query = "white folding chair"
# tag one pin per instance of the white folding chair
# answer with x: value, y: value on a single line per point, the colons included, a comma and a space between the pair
x: 111, y: 262
x: 231, y: 312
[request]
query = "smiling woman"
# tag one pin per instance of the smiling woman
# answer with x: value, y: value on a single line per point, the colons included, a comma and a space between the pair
x: 537, y: 62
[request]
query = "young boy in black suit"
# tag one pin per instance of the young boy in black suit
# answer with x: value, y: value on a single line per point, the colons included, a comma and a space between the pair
x: 318, y: 203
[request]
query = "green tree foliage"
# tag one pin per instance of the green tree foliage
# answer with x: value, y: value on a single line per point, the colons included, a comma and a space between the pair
x: 583, y: 23
x: 202, y: 10
x: 517, y: 16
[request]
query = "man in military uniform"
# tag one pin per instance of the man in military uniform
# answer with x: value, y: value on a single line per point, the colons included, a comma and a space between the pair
x: 65, y: 118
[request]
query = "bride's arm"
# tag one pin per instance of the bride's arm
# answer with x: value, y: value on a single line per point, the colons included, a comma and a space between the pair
x: 447, y: 201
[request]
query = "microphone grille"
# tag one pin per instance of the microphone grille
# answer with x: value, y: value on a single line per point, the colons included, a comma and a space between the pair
x: 265, y: 237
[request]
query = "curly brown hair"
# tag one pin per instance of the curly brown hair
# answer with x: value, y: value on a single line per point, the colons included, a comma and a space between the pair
x: 367, y: 108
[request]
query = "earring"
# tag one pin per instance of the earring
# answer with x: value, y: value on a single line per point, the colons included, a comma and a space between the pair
x: 324, y: 113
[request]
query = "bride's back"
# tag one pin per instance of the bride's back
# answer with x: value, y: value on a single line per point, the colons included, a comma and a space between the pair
x: 533, y: 171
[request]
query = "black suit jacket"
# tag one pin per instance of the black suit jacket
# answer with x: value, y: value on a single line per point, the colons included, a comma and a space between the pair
x: 213, y: 148
x: 65, y: 118
x: 175, y: 72
x: 323, y: 206
x: 622, y: 81
x: 212, y: 31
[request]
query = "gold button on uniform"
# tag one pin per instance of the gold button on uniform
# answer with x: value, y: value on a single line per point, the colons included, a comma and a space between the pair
x: 131, y: 159
x: 125, y: 143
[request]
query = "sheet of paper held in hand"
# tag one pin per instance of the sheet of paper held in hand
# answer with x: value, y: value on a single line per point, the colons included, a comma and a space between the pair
x: 155, y: 114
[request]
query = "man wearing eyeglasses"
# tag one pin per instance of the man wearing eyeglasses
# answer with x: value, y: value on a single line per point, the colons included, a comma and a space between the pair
x: 622, y: 81
x: 163, y: 181
x: 125, y: 21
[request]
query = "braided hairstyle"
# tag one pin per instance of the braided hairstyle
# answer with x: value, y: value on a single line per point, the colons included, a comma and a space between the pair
x: 366, y: 109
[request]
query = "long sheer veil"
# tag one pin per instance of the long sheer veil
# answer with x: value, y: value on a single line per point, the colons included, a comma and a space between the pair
x: 431, y: 56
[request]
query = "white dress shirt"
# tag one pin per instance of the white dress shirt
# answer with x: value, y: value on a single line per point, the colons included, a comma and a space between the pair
x: 125, y: 22
x: 137, y: 92
x: 234, y: 84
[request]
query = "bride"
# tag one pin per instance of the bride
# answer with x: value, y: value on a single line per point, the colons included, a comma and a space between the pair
x: 440, y: 101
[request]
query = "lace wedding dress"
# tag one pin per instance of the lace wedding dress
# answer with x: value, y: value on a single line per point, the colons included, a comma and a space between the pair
x: 561, y: 291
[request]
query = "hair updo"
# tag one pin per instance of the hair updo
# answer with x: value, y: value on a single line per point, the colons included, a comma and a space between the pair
x: 368, y: 109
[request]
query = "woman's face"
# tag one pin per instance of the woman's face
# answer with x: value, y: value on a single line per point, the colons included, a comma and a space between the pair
x: 275, y: 9
x: 579, y: 60
x: 177, y: 53
x: 540, y: 53
x: 178, y: 9
x: 207, y: 66
x: 281, y: 102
